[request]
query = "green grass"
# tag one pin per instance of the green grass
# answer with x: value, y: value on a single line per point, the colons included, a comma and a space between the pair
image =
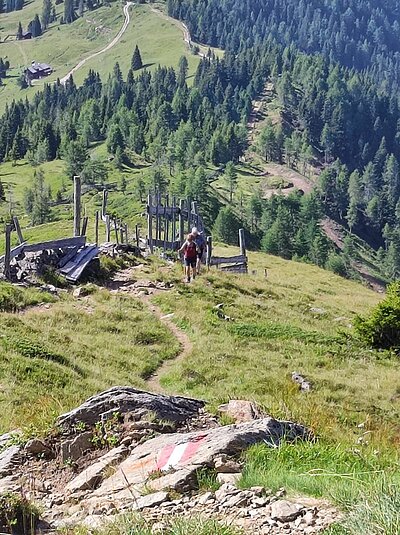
x: 320, y: 469
x: 52, y: 359
x: 13, y: 298
x: 145, y: 24
x: 86, y: 35
x: 134, y: 525
x: 376, y: 514
x: 17, y: 178
x: 276, y: 332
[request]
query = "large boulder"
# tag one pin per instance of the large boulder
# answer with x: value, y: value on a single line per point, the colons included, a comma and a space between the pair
x: 241, y: 410
x: 123, y: 399
x: 171, y: 461
x: 9, y: 459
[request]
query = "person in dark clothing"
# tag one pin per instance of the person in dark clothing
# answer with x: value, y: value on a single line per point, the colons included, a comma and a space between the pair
x: 201, y: 245
x: 190, y: 252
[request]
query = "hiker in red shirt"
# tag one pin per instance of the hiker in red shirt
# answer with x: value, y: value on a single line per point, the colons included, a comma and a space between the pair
x: 190, y: 251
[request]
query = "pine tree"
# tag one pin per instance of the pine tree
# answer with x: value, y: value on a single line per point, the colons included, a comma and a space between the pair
x: 19, y: 32
x: 46, y: 13
x: 183, y: 67
x: 137, y: 63
x: 35, y: 27
x: 69, y: 13
x: 2, y: 192
x: 37, y: 199
x: 226, y: 226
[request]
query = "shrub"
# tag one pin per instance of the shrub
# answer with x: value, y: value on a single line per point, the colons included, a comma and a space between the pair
x: 336, y: 264
x: 17, y: 514
x: 381, y: 329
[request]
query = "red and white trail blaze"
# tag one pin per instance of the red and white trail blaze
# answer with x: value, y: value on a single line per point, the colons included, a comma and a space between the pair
x: 172, y: 455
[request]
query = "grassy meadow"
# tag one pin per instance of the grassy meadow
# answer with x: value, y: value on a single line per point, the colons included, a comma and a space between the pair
x: 55, y: 355
x: 64, y: 46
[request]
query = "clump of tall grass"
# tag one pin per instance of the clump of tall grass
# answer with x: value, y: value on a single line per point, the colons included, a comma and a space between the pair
x: 377, y: 513
x: 13, y: 298
x: 134, y: 525
x: 319, y: 469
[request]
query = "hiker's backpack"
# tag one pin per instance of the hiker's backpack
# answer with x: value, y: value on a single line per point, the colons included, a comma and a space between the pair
x: 191, y: 250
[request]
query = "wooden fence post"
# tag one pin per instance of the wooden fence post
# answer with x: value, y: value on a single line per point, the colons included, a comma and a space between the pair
x: 209, y: 251
x: 159, y: 218
x: 166, y: 222
x: 189, y: 220
x: 104, y: 204
x: 96, y: 227
x: 126, y: 233
x: 137, y: 236
x: 116, y: 231
x: 150, y: 223
x: 108, y: 228
x: 173, y: 220
x: 84, y: 226
x: 77, y: 205
x: 242, y: 243
x: 181, y: 221
x: 7, y: 255
x: 18, y: 229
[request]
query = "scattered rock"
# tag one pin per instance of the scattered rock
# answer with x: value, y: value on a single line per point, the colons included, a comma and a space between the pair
x: 175, y: 458
x: 37, y: 447
x: 285, y: 511
x: 73, y: 449
x: 241, y: 410
x: 232, y: 479
x: 92, y: 476
x: 7, y: 438
x: 318, y: 311
x: 151, y: 500
x: 9, y: 458
x: 226, y: 466
x: 304, y: 384
x: 138, y: 402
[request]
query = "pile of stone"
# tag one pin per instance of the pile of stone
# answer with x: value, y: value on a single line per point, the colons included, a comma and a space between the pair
x: 26, y: 266
x: 255, y: 510
x: 129, y: 450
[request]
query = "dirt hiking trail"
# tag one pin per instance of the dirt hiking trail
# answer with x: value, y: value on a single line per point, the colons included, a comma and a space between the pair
x: 126, y: 280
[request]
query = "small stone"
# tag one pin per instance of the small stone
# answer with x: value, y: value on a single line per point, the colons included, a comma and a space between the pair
x: 260, y: 501
x: 231, y: 479
x: 285, y: 511
x: 206, y: 497
x: 151, y: 500
x: 309, y: 518
x: 37, y: 447
x: 241, y: 410
x: 258, y: 491
x: 236, y: 501
x: 224, y: 491
x: 226, y: 466
x: 74, y: 448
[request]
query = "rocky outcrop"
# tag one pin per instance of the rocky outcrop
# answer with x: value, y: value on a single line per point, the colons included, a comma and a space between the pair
x: 171, y: 461
x: 138, y: 403
x: 158, y: 445
x: 91, y: 476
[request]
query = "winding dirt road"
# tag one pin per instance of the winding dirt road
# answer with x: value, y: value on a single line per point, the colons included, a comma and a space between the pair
x: 105, y: 49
